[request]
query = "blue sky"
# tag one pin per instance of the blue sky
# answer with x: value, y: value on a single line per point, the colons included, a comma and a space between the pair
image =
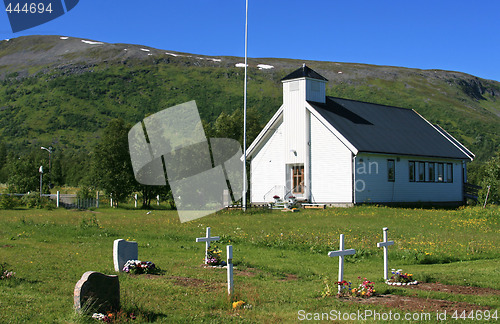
x: 438, y: 34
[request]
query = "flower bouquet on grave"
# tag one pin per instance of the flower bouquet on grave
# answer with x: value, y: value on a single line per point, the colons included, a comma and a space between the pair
x: 214, y: 257
x: 140, y: 267
x: 6, y: 273
x: 112, y: 317
x: 364, y: 290
x: 401, y: 279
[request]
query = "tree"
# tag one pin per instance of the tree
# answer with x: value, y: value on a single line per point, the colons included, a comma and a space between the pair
x: 490, y: 176
x: 3, y: 162
x: 23, y: 174
x: 231, y: 126
x: 111, y: 165
x: 56, y: 175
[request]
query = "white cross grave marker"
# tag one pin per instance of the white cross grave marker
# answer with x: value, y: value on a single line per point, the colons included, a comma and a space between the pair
x: 341, y: 253
x: 207, y: 241
x: 230, y: 289
x: 385, y: 244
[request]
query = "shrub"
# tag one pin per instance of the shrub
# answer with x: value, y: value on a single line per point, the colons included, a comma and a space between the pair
x: 8, y: 202
x: 33, y: 200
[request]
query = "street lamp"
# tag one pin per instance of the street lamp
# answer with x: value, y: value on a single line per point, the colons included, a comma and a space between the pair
x: 50, y: 154
x: 41, y: 174
x: 50, y: 164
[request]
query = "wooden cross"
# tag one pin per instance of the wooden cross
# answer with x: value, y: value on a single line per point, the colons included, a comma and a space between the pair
x: 385, y: 244
x: 230, y: 289
x: 207, y: 239
x: 341, y: 253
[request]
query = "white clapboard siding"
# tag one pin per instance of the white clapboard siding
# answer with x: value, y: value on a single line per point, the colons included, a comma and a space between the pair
x: 294, y: 120
x: 331, y: 166
x: 372, y: 184
x: 267, y: 168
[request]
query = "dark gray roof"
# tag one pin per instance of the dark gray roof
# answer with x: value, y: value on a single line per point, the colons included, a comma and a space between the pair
x: 384, y: 129
x: 304, y: 72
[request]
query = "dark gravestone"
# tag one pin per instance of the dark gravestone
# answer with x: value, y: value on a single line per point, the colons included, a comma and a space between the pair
x: 97, y: 292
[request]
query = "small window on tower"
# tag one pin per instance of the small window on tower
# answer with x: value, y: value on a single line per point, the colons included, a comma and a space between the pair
x: 294, y: 86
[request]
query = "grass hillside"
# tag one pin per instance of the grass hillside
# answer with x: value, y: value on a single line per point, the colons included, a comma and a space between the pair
x: 63, y: 92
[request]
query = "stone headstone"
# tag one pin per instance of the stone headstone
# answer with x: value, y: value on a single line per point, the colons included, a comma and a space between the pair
x: 97, y: 292
x: 124, y: 251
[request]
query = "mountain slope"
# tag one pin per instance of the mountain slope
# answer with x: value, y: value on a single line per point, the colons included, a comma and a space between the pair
x: 63, y: 91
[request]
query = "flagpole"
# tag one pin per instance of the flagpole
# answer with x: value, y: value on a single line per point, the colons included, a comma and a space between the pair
x: 244, y: 196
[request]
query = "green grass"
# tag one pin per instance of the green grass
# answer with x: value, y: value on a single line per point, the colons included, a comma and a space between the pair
x: 281, y: 260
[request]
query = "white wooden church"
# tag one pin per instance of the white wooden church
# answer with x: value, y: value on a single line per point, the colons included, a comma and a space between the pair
x: 342, y: 152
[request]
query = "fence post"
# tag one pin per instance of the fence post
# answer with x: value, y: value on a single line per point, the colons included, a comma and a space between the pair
x: 158, y: 200
x: 57, y: 199
x: 97, y: 200
x: 135, y: 197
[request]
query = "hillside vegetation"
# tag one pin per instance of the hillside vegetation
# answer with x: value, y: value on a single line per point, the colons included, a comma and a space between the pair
x: 63, y: 92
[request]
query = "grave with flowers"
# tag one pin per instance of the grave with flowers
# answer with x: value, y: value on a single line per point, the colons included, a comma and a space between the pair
x: 212, y: 253
x: 125, y: 255
x: 124, y: 251
x: 344, y: 288
x: 364, y: 289
x: 400, y: 278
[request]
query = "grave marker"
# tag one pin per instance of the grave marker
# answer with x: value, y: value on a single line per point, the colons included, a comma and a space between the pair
x: 230, y: 288
x: 124, y: 251
x: 207, y: 239
x: 97, y: 292
x: 341, y: 253
x: 385, y: 244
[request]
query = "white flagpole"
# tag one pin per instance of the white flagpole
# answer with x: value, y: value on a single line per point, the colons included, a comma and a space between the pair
x: 244, y: 196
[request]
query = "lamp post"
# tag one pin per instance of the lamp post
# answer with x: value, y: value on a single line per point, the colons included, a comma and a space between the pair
x: 50, y: 164
x: 41, y: 174
x: 50, y: 154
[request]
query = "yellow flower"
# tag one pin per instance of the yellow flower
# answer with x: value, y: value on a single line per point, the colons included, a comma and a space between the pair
x: 238, y: 303
x: 363, y: 293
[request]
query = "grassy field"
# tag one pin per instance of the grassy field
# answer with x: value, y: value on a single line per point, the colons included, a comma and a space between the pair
x: 281, y: 261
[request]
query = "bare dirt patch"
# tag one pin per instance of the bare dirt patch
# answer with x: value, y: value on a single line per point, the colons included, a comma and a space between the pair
x: 453, y: 289
x: 187, y: 282
x: 290, y: 277
x: 248, y: 272
x: 415, y: 304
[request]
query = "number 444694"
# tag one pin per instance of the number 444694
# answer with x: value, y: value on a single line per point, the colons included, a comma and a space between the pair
x: 476, y: 315
x: 32, y: 8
